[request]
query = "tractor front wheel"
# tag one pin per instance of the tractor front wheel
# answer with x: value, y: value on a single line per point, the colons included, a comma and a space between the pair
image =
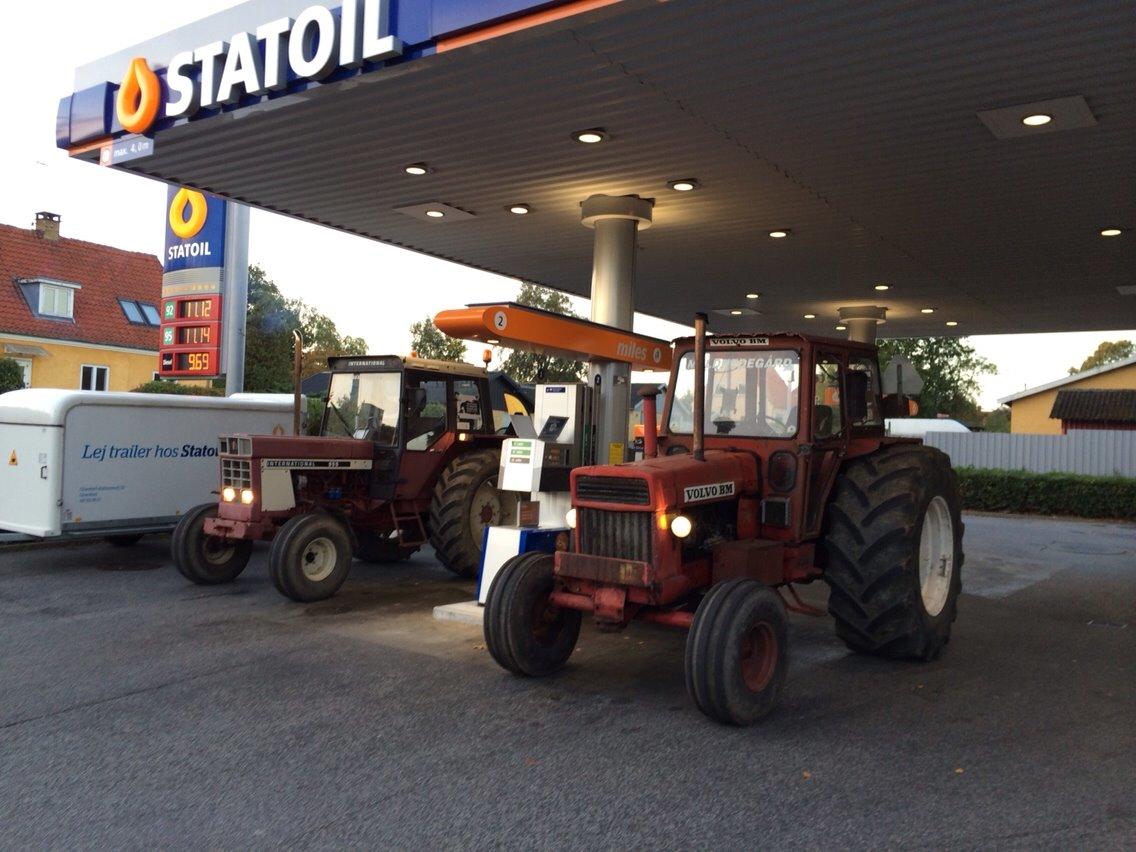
x: 524, y: 632
x: 737, y: 652
x: 892, y: 552
x: 310, y: 557
x: 207, y: 559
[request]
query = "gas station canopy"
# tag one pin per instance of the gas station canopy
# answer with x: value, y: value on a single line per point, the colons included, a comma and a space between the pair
x: 884, y: 141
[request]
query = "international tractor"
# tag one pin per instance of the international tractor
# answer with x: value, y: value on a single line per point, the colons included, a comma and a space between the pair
x: 406, y: 453
x: 771, y: 468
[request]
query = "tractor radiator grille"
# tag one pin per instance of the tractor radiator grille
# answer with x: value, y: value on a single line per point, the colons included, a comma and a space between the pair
x: 236, y: 472
x: 613, y: 489
x: 619, y: 535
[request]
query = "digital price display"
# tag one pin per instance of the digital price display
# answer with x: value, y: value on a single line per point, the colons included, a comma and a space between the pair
x: 190, y: 337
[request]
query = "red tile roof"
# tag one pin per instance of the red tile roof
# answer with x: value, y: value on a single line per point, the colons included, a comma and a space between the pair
x: 104, y: 273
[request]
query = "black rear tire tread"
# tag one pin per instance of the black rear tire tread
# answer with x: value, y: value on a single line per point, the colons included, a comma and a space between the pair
x: 456, y: 544
x: 188, y: 543
x: 285, y: 558
x: 870, y: 552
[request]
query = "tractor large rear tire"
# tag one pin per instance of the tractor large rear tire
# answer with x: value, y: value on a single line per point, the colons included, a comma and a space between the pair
x: 465, y: 502
x: 892, y: 552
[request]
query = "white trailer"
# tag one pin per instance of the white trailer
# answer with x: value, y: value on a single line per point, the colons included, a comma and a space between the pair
x: 84, y: 463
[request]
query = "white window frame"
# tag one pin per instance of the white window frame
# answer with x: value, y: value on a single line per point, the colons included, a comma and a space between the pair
x: 26, y: 369
x: 56, y: 290
x: 94, y: 373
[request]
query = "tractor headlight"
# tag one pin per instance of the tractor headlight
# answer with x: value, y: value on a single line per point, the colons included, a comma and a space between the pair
x: 681, y: 526
x: 228, y: 494
x: 246, y: 496
x: 570, y: 518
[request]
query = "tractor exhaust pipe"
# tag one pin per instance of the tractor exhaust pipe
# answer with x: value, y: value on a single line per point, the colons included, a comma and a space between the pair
x: 650, y: 422
x: 297, y: 373
x: 699, y: 413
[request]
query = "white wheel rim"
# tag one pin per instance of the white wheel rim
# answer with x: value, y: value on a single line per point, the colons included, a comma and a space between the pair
x: 936, y: 556
x: 216, y: 551
x: 318, y: 559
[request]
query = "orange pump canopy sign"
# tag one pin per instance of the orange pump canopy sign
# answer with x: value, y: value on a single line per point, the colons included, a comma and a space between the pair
x: 520, y: 327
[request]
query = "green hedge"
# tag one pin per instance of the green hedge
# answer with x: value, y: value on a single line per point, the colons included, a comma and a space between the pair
x: 1047, y: 493
x: 157, y: 386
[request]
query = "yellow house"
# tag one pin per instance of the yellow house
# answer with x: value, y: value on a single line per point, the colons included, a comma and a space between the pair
x: 1030, y: 409
x: 74, y: 314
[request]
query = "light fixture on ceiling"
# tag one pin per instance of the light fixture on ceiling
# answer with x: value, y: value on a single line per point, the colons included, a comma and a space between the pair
x: 951, y: 323
x: 1111, y: 232
x: 591, y: 136
x: 810, y: 316
x: 779, y: 234
x: 435, y: 214
x: 1037, y: 119
x: 735, y: 313
x: 882, y: 287
x: 519, y: 209
x: 753, y: 295
x: 842, y: 328
x: 684, y: 184
x: 492, y: 341
x: 417, y: 169
x: 926, y: 310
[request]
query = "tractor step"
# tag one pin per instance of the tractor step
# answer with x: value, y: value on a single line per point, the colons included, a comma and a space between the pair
x: 409, y: 528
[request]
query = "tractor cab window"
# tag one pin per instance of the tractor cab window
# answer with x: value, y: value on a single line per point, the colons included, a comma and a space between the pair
x: 425, y: 411
x: 827, y: 417
x: 752, y: 394
x: 467, y: 401
x: 363, y: 406
x: 864, y: 391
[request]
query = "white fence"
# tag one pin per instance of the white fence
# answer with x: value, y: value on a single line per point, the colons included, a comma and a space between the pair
x: 1092, y: 452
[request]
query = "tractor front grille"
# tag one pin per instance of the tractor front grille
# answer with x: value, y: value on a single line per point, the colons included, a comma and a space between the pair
x: 236, y: 472
x: 619, y: 535
x: 613, y: 489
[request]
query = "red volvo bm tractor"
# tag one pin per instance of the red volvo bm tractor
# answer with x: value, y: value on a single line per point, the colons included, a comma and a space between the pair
x: 772, y: 468
x: 406, y: 453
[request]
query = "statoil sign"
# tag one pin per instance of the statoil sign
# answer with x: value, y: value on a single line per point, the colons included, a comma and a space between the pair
x: 192, y: 284
x: 316, y: 43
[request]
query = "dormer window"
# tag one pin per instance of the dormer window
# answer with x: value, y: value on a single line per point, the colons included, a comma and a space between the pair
x: 48, y: 298
x: 140, y: 313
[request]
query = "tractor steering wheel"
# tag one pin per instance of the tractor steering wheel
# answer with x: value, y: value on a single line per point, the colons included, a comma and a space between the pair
x: 779, y: 428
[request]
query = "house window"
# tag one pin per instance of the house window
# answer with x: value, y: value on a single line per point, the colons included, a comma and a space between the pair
x: 56, y: 301
x: 25, y: 369
x: 140, y: 313
x: 92, y: 377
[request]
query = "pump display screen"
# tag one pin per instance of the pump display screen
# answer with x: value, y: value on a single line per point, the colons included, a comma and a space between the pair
x: 196, y: 334
x: 194, y: 362
x: 196, y: 309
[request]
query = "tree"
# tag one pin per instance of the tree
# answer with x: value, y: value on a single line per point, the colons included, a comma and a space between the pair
x: 523, y: 366
x: 429, y: 342
x: 1108, y: 352
x: 11, y: 376
x: 950, y: 369
x: 997, y: 420
x: 268, y: 337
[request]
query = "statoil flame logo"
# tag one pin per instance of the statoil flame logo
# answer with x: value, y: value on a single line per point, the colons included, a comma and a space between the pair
x: 139, y: 97
x: 187, y: 213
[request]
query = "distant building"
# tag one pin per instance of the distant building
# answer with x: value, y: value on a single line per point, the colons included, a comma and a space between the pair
x: 74, y: 314
x: 1095, y: 409
x: 1034, y: 411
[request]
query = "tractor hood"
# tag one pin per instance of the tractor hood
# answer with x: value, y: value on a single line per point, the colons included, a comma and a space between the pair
x: 667, y: 482
x: 295, y: 447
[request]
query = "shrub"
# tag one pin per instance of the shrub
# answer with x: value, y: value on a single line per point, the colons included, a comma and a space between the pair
x: 1047, y: 493
x: 11, y: 376
x: 158, y: 386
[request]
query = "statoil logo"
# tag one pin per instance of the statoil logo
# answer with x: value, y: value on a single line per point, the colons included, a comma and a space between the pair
x: 188, y: 212
x: 139, y: 97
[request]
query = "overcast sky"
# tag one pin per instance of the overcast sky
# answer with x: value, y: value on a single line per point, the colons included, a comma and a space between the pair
x: 45, y: 41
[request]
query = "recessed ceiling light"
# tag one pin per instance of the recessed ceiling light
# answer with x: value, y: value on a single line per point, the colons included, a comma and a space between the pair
x: 842, y: 328
x: 519, y: 209
x: 926, y: 310
x: 435, y: 214
x: 810, y: 316
x: 735, y: 313
x: 1111, y: 232
x: 753, y: 295
x: 1037, y: 120
x: 416, y: 169
x: 779, y: 235
x: 492, y: 341
x: 951, y: 323
x: 684, y: 184
x: 590, y: 136
x: 882, y: 287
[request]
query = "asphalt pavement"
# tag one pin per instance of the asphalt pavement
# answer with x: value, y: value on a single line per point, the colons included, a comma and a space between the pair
x: 137, y: 710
